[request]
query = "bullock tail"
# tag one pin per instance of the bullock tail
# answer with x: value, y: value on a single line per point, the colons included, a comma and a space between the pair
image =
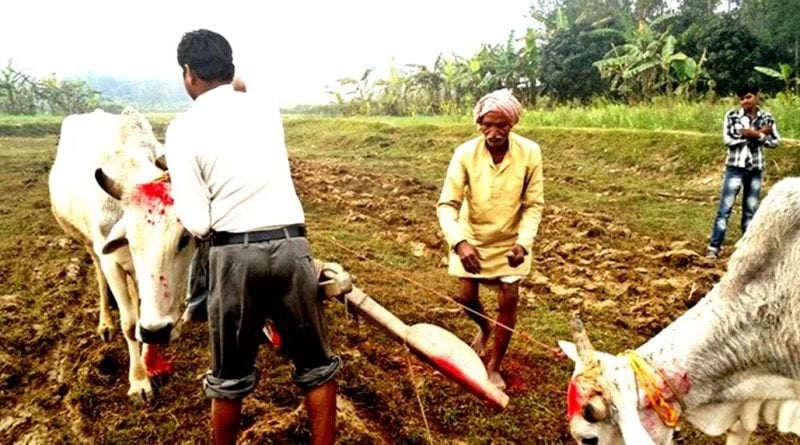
x: 769, y: 237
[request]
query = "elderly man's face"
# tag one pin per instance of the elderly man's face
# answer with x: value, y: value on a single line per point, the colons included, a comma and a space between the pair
x: 495, y: 129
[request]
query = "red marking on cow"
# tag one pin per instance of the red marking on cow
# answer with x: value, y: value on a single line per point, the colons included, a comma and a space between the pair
x: 679, y: 380
x: 154, y: 197
x: 155, y: 363
x: 574, y: 406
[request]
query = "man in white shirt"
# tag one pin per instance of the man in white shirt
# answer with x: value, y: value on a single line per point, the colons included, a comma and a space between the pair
x: 231, y: 183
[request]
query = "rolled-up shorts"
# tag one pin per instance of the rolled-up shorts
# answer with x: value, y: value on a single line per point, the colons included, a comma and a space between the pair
x: 248, y: 283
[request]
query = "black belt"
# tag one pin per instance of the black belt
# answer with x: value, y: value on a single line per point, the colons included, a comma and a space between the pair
x: 223, y: 238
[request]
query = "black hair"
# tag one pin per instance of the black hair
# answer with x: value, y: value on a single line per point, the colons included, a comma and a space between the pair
x: 208, y: 54
x: 745, y: 89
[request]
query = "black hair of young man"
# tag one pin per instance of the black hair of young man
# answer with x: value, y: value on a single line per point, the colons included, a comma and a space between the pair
x: 208, y: 54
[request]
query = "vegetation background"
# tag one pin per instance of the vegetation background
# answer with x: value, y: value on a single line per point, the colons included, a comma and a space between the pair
x: 625, y: 97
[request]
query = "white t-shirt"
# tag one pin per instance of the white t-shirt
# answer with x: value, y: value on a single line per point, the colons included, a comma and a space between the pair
x: 229, y: 165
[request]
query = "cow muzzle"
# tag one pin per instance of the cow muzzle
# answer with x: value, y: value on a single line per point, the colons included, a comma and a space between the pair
x: 162, y: 335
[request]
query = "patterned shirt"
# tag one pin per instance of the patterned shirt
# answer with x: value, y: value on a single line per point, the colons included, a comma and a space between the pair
x: 748, y: 153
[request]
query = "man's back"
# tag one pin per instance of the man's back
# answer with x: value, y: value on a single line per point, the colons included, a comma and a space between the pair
x: 235, y: 149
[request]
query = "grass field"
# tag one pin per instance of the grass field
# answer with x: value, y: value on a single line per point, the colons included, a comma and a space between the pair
x: 617, y: 201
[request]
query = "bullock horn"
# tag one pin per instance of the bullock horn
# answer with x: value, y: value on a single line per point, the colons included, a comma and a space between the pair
x: 108, y: 184
x: 582, y: 343
x: 161, y: 162
x: 595, y: 410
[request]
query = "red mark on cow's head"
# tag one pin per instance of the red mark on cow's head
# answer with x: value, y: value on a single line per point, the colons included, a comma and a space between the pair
x: 154, y: 197
x: 574, y: 397
x: 159, y: 191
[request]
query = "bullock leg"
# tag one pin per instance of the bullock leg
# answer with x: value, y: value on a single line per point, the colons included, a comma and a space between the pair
x: 105, y: 325
x: 738, y: 435
x: 140, y: 387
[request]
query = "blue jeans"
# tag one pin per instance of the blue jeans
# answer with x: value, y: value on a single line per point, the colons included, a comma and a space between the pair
x: 736, y: 178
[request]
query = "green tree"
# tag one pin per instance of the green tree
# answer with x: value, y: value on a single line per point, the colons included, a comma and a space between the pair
x: 732, y: 52
x: 777, y: 24
x: 566, y: 70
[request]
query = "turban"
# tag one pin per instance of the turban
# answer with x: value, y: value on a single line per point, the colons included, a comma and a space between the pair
x: 501, y: 101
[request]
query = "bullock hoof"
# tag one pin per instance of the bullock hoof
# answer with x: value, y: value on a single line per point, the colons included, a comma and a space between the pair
x: 142, y: 394
x: 105, y: 332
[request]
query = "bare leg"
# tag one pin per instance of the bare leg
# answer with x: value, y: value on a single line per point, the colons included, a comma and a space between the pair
x: 225, y: 416
x: 469, y: 297
x: 507, y: 301
x: 321, y: 406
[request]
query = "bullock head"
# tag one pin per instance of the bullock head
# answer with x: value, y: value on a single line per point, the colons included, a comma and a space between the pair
x: 161, y: 251
x: 603, y: 401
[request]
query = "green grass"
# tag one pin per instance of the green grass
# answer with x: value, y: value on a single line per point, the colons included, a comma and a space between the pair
x: 649, y: 179
x: 662, y: 115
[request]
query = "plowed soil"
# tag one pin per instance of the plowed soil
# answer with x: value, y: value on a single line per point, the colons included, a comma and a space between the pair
x: 59, y: 383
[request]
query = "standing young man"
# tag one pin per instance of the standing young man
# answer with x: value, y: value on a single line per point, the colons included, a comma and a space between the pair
x: 231, y: 183
x: 745, y: 132
x: 489, y: 210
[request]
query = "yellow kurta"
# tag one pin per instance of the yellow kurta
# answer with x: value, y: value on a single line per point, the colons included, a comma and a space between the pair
x: 492, y: 206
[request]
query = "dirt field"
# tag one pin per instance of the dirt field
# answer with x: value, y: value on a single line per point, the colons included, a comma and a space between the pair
x: 59, y: 383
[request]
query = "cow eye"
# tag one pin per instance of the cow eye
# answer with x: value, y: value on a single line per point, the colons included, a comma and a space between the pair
x: 184, y: 241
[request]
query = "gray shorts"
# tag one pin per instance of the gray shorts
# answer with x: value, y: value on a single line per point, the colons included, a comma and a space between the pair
x: 248, y: 283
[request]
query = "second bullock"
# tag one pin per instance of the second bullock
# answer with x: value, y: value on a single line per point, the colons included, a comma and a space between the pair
x: 729, y: 363
x: 107, y: 191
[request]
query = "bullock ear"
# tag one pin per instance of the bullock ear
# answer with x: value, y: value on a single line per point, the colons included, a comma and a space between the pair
x: 570, y: 350
x: 115, y: 239
x: 108, y: 184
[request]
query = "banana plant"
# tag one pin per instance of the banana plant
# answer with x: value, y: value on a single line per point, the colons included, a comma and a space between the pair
x: 784, y: 73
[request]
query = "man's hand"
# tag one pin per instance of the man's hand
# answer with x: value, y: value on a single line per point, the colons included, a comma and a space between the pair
x: 766, y: 130
x: 749, y: 133
x: 469, y: 256
x: 516, y: 255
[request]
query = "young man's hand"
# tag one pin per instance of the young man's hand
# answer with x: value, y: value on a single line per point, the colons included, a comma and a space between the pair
x: 766, y: 130
x: 469, y: 256
x: 749, y: 133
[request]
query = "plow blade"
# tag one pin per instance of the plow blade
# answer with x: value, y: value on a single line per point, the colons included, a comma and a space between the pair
x: 435, y: 345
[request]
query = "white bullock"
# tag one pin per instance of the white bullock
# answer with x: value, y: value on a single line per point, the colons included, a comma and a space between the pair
x: 107, y: 191
x: 728, y: 363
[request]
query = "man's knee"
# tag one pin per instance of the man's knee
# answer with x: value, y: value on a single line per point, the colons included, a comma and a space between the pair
x: 508, y: 297
x: 468, y: 291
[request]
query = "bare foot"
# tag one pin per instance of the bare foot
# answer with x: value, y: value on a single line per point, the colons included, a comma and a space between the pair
x: 479, y: 344
x: 496, y: 380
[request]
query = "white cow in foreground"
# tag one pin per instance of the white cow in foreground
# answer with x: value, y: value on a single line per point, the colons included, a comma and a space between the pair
x: 726, y: 364
x: 107, y: 191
